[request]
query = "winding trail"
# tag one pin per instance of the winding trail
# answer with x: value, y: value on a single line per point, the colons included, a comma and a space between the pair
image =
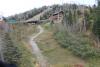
x: 36, y: 51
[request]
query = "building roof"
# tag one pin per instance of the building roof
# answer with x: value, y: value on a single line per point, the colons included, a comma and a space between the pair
x: 58, y: 13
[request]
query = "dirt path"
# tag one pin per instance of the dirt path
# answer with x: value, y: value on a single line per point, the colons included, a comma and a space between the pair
x: 36, y: 51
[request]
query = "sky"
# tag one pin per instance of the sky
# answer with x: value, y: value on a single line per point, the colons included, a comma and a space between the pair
x: 11, y: 7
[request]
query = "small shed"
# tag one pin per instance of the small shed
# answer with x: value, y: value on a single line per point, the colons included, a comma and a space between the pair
x: 11, y: 21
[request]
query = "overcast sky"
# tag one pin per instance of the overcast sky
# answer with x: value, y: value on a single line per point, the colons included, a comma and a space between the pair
x: 11, y: 7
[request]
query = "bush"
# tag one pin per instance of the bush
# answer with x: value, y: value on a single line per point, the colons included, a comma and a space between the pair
x: 79, y: 45
x: 11, y: 51
x: 15, y: 49
x: 19, y: 36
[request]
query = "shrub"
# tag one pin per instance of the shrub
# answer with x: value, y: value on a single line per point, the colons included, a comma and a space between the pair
x: 15, y: 49
x: 11, y: 51
x: 79, y: 45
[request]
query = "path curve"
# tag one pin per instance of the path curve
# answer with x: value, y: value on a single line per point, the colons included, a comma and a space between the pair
x: 36, y: 51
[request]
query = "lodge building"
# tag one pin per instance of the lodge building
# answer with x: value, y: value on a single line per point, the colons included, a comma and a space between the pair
x: 57, y: 17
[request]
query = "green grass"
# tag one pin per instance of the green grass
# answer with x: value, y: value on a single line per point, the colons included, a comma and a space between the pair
x: 65, y: 57
x: 80, y: 45
x: 56, y: 55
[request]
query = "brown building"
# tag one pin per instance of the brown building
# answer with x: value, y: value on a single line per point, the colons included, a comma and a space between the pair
x: 56, y: 17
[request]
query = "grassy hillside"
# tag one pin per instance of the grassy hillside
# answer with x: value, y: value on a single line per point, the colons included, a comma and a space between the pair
x: 27, y: 15
x: 65, y: 44
x: 68, y: 49
x: 56, y: 55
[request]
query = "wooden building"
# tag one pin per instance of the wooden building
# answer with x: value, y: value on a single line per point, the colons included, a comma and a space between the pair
x: 57, y: 17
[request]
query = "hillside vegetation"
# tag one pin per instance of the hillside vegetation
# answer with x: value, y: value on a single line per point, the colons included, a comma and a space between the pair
x: 27, y: 15
x: 73, y: 41
x: 78, y: 33
x: 16, y: 48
